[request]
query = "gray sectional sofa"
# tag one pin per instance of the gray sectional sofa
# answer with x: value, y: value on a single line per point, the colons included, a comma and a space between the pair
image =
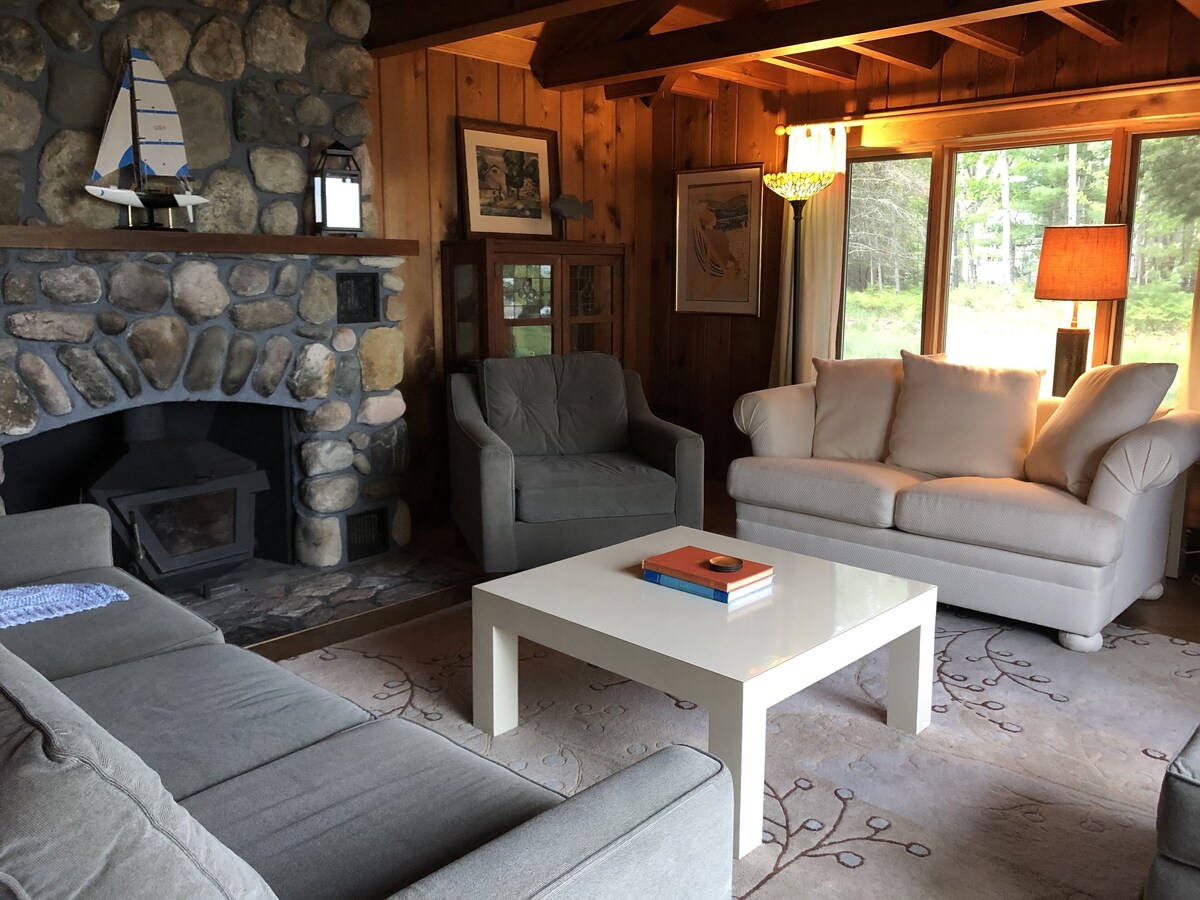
x: 1175, y: 872
x: 142, y: 757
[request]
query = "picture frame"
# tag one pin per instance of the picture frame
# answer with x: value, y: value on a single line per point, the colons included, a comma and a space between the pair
x: 507, y: 179
x: 718, y: 240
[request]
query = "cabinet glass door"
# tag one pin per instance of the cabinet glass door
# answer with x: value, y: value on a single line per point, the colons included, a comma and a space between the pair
x: 591, y: 303
x: 527, y: 310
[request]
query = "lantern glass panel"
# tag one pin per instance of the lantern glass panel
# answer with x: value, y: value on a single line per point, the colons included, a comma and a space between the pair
x: 343, y: 203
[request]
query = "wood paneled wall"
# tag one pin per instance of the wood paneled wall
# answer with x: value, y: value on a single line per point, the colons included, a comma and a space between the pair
x: 624, y: 157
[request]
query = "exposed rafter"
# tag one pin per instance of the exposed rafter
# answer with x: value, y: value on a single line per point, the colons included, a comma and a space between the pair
x: 1104, y: 23
x: 823, y: 23
x: 919, y: 52
x: 1000, y: 37
x: 605, y: 26
x: 834, y: 64
x: 1192, y: 6
x: 400, y: 27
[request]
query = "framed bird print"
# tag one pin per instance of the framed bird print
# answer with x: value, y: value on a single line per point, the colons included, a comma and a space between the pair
x: 718, y: 240
x: 507, y: 179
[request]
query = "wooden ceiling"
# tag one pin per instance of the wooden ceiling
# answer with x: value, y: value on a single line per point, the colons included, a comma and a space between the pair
x: 649, y: 48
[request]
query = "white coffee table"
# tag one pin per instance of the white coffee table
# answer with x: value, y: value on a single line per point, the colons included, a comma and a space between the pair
x: 736, y: 662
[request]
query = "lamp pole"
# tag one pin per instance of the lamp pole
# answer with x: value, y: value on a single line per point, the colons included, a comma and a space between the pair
x: 797, y: 263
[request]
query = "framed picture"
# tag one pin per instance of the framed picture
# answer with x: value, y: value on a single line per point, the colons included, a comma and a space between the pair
x: 718, y: 240
x: 507, y: 178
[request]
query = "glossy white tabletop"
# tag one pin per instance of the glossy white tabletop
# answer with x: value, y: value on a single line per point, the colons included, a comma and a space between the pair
x: 812, y: 600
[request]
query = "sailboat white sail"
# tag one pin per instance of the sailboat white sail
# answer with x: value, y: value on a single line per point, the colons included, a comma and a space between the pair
x: 143, y: 132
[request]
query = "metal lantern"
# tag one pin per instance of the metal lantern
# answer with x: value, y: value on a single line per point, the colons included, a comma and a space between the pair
x: 337, y: 192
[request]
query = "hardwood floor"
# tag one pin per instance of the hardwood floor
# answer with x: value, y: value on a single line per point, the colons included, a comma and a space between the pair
x: 1176, y: 613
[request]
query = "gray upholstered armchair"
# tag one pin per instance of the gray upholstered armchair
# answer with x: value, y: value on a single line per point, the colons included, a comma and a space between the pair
x: 551, y: 456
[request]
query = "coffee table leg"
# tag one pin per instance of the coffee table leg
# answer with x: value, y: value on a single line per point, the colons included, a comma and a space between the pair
x: 737, y: 735
x: 910, y: 677
x: 493, y: 675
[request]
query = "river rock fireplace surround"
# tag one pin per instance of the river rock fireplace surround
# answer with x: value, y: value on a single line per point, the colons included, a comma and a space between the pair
x: 91, y: 327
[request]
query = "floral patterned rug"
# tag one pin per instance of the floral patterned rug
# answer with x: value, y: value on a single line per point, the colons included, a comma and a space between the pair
x: 1037, y: 778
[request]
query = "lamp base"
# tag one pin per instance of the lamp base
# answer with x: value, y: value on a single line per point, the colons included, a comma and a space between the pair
x: 1070, y: 358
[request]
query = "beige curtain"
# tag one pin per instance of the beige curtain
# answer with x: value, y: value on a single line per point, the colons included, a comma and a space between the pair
x: 811, y: 329
x: 1189, y: 375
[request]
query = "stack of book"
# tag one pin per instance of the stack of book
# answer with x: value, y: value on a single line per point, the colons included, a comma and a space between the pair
x: 690, y: 569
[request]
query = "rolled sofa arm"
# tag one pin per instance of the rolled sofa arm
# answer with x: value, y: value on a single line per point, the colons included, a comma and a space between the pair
x: 482, y: 486
x: 662, y: 828
x: 671, y: 448
x: 39, y: 545
x: 779, y: 421
x: 1146, y: 458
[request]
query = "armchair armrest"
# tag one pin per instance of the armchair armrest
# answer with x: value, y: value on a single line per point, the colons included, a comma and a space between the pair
x: 661, y: 828
x: 779, y: 421
x: 482, y: 490
x: 49, y: 542
x: 1144, y: 459
x: 671, y: 448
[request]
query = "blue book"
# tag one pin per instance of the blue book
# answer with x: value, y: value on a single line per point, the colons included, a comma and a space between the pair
x: 700, y: 590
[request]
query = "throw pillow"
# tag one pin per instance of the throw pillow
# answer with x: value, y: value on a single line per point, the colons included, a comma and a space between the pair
x: 963, y: 420
x: 1104, y: 404
x: 856, y: 400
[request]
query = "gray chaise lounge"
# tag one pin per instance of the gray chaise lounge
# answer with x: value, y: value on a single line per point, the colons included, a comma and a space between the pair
x: 142, y: 757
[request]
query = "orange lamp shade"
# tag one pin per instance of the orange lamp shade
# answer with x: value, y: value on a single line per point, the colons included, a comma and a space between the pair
x: 1084, y: 262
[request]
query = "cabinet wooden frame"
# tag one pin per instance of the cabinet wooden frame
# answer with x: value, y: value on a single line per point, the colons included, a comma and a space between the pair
x: 488, y: 257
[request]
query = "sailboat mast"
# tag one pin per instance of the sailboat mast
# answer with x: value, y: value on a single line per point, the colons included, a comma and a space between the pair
x: 133, y: 118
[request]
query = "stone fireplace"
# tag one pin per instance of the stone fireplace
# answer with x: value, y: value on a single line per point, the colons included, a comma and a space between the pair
x: 90, y: 332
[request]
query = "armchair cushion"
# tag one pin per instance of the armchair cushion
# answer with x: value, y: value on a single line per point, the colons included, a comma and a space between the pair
x: 860, y: 492
x: 590, y: 486
x: 544, y: 405
x: 856, y: 400
x: 1104, y: 404
x: 963, y: 420
x: 1019, y: 516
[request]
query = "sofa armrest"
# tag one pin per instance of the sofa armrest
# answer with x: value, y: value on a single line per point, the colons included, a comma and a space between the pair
x: 49, y: 542
x: 661, y: 828
x: 1144, y: 459
x: 671, y: 448
x: 779, y: 421
x: 482, y: 488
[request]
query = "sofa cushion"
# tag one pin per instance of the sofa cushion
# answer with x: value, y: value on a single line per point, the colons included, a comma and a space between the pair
x: 83, y: 817
x: 1179, y: 806
x: 856, y: 400
x: 145, y: 624
x: 368, y: 811
x: 590, y: 486
x: 963, y: 420
x: 1104, y: 404
x: 206, y: 714
x: 556, y: 404
x: 1007, y: 514
x: 860, y: 492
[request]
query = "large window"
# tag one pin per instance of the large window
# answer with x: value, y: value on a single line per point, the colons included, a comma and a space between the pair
x: 1162, y: 264
x: 885, y: 256
x: 1003, y: 199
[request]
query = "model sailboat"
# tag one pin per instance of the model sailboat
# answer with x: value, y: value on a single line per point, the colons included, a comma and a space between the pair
x: 143, y: 132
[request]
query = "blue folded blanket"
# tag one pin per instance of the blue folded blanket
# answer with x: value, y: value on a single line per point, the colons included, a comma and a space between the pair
x: 21, y: 605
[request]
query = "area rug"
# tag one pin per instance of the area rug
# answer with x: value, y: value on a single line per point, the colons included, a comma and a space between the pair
x: 1037, y: 778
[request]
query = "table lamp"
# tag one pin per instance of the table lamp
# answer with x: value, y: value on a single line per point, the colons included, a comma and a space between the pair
x: 1080, y: 262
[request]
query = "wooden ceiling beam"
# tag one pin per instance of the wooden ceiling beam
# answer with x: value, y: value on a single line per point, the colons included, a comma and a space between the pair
x: 1004, y: 38
x: 401, y: 27
x: 1104, y: 23
x: 1192, y: 6
x: 752, y: 74
x: 832, y: 64
x: 605, y: 26
x: 919, y: 52
x: 505, y: 49
x: 823, y: 24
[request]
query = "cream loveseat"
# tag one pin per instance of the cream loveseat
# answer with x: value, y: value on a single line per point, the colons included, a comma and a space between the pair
x: 926, y: 470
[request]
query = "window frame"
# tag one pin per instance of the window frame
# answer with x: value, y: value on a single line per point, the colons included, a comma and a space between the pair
x: 1125, y: 139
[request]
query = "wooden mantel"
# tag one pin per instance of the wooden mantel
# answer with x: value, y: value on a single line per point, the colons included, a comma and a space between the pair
x: 134, y: 239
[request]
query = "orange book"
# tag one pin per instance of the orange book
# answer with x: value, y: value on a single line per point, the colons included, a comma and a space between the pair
x: 691, y: 564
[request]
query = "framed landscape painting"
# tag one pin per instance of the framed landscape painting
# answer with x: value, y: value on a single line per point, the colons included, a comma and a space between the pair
x: 507, y: 178
x: 718, y: 240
